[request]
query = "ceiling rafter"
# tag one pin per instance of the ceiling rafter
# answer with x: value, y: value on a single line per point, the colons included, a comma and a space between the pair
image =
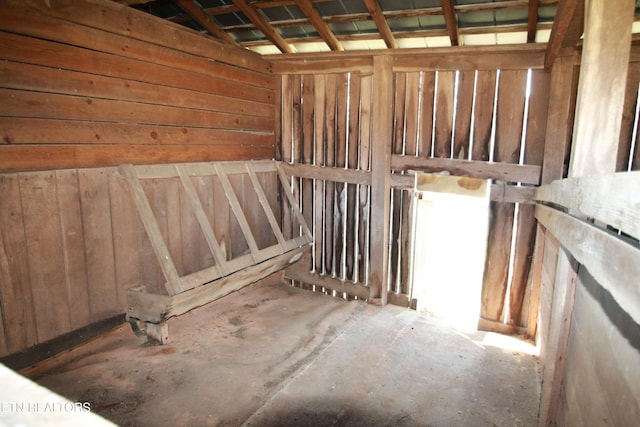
x: 533, y: 20
x: 381, y: 22
x: 261, y: 23
x: 316, y: 20
x: 568, y: 26
x: 198, y: 15
x: 450, y: 20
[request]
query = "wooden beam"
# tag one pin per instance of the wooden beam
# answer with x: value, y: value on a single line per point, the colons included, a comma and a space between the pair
x: 382, y: 133
x: 155, y: 308
x: 525, y: 174
x: 261, y: 23
x: 532, y: 22
x: 383, y: 26
x: 451, y: 20
x: 316, y: 20
x: 560, y: 118
x: 613, y: 199
x: 203, y: 19
x: 566, y: 30
x: 326, y: 173
x: 554, y: 356
x: 602, y: 87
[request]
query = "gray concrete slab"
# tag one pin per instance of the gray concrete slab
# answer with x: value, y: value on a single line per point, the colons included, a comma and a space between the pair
x: 272, y: 354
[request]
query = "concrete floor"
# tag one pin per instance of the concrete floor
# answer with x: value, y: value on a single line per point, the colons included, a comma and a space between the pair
x: 274, y: 355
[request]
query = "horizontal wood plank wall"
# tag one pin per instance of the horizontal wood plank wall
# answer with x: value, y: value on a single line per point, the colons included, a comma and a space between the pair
x: 464, y: 116
x: 93, y: 83
x: 71, y: 243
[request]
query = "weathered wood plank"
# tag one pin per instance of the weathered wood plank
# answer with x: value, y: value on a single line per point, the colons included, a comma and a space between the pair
x: 97, y: 228
x: 237, y: 210
x: 125, y: 224
x: 38, y: 157
x: 445, y: 92
x: 628, y: 117
x: 117, y: 19
x: 32, y: 131
x: 34, y: 77
x: 203, y: 220
x: 17, y: 298
x: 614, y: 263
x: 331, y: 87
x: 351, y: 176
x: 509, y: 124
x: 613, y: 199
x: 44, y: 252
x: 157, y: 308
x: 73, y: 246
x: 47, y: 53
x: 603, y: 72
x: 556, y: 343
x: 502, y: 171
x: 426, y: 113
x: 484, y: 112
x: 364, y: 164
x: 264, y: 202
x: 173, y: 285
x: 20, y: 103
x: 382, y: 129
x: 464, y: 109
x: 319, y: 185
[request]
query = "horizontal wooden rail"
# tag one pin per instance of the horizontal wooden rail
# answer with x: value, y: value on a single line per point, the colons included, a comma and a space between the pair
x: 349, y: 176
x: 613, y: 262
x: 155, y: 308
x: 613, y: 199
x: 297, y: 272
x: 525, y: 174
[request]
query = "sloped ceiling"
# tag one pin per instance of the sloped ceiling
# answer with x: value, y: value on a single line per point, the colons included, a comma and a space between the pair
x: 290, y: 26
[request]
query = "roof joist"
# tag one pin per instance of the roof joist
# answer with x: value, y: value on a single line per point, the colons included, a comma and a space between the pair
x: 316, y: 20
x: 381, y: 22
x: 198, y: 15
x: 261, y: 23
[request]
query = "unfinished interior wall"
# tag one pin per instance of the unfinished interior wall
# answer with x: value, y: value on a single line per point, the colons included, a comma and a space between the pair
x: 467, y: 112
x: 587, y: 266
x: 91, y: 84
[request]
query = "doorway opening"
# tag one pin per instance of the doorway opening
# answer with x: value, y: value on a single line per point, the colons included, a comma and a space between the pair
x: 450, y: 223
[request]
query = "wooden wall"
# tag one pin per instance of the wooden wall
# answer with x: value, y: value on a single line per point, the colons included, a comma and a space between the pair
x: 93, y: 83
x: 72, y: 243
x: 84, y: 86
x: 451, y: 112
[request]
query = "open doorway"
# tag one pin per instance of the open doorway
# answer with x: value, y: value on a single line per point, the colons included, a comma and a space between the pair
x: 451, y: 221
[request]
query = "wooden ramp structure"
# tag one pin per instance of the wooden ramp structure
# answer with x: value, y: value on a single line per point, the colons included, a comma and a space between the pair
x: 148, y: 311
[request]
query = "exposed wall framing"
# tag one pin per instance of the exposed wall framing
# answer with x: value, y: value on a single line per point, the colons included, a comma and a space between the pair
x: 471, y: 119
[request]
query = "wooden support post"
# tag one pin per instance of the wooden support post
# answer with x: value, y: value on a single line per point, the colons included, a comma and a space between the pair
x: 560, y: 118
x: 600, y: 100
x: 601, y: 90
x: 380, y: 179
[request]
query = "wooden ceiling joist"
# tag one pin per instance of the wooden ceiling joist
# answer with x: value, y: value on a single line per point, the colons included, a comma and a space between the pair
x: 567, y: 29
x: 451, y: 21
x: 198, y: 15
x: 261, y: 23
x: 533, y: 21
x: 373, y: 6
x: 316, y: 20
